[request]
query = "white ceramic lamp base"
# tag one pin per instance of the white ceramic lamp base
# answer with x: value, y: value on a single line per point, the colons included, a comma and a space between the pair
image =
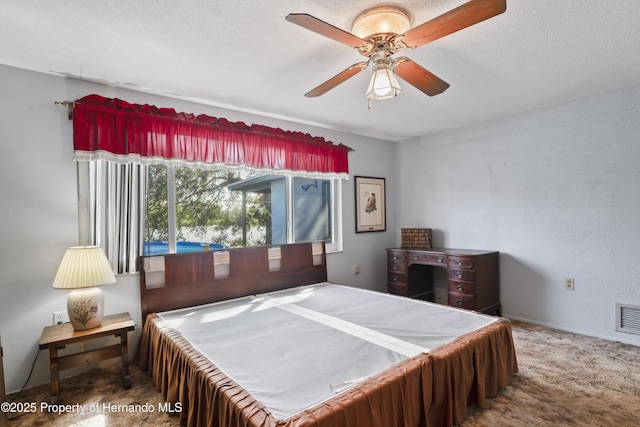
x: 86, y: 308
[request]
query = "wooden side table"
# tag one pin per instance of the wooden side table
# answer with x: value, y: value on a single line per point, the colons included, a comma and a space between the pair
x: 57, y: 337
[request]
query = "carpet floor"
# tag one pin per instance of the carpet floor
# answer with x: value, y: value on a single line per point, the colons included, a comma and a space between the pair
x: 564, y: 380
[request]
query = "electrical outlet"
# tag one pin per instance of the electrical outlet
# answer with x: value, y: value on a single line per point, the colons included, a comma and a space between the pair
x: 356, y: 268
x: 569, y: 284
x: 60, y: 317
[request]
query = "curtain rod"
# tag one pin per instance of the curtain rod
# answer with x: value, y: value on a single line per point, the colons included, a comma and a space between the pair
x: 68, y: 105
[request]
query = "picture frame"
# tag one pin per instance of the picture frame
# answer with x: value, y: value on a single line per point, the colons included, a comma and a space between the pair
x: 370, y: 194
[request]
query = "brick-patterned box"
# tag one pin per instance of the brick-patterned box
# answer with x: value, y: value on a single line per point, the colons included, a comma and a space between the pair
x: 416, y: 238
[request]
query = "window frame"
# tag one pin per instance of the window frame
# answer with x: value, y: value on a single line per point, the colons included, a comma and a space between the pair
x: 336, y: 211
x: 86, y: 220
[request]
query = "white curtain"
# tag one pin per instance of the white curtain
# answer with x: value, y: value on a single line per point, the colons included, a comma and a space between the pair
x: 112, y: 210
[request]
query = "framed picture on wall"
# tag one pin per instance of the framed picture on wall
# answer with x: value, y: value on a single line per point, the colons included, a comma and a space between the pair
x: 370, y: 204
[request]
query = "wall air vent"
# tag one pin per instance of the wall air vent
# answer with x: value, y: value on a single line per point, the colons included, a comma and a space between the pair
x: 628, y: 318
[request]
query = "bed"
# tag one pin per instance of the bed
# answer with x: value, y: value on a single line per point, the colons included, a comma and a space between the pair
x: 256, y: 337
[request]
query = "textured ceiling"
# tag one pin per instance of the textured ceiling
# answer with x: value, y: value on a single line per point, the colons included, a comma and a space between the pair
x: 244, y: 56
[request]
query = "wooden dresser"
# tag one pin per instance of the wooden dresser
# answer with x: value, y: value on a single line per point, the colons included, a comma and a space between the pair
x: 472, y: 276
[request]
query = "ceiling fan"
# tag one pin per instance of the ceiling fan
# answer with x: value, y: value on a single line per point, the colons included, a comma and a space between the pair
x: 382, y: 31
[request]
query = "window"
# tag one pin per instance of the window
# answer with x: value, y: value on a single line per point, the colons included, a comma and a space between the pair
x: 117, y: 145
x: 191, y: 210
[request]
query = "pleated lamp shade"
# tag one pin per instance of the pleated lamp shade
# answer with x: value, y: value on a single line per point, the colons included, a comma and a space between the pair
x: 82, y: 269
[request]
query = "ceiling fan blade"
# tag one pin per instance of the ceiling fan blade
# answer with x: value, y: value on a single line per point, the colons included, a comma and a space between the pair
x: 419, y: 77
x: 336, y: 80
x: 316, y: 25
x: 456, y: 19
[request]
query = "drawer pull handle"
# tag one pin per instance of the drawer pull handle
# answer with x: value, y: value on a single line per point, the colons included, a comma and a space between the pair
x: 415, y: 258
x: 439, y: 259
x: 460, y: 302
x: 459, y: 275
x: 395, y: 267
x: 395, y: 258
x: 460, y: 288
x: 395, y: 278
x: 458, y: 262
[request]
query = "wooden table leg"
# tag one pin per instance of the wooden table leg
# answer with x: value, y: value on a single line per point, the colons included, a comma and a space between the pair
x: 53, y: 366
x: 125, y: 360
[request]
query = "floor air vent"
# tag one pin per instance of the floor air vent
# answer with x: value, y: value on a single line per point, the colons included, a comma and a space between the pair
x: 628, y: 318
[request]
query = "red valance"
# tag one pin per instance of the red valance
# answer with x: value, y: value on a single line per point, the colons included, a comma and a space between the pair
x: 116, y: 130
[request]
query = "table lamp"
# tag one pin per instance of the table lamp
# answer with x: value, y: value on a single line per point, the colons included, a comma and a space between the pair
x: 82, y: 269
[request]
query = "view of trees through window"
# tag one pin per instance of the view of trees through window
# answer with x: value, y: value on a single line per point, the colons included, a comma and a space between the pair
x: 215, y: 209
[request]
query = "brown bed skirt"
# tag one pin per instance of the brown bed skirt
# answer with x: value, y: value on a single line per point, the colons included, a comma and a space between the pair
x: 429, y: 390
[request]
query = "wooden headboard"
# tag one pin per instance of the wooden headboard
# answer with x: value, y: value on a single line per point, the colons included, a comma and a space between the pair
x: 173, y: 281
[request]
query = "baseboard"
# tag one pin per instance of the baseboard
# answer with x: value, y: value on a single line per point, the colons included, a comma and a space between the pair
x: 632, y: 340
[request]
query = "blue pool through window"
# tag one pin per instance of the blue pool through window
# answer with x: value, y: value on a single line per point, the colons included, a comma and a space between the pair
x: 157, y: 248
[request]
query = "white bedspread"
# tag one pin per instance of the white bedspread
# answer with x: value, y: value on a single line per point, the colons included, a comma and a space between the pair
x: 296, y: 348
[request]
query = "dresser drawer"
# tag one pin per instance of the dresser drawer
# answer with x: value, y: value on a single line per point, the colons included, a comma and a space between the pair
x: 396, y: 256
x: 398, y: 289
x: 396, y: 267
x: 393, y: 276
x: 468, y: 288
x: 427, y: 258
x: 461, y: 262
x: 466, y: 275
x: 462, y: 301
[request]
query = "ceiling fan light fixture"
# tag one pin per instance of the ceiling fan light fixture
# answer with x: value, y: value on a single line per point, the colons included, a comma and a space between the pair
x: 381, y: 20
x: 379, y: 33
x: 383, y: 84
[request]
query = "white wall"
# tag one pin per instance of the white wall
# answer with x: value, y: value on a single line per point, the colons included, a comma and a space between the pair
x: 38, y: 217
x: 556, y: 190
